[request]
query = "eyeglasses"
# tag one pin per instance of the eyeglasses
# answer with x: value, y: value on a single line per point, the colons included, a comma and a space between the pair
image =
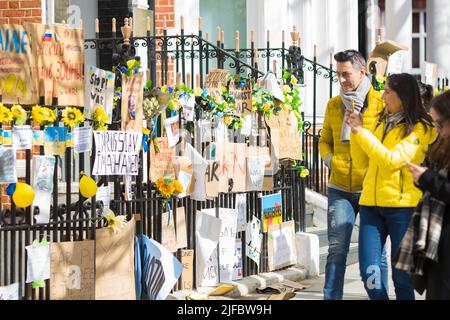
x: 349, y: 54
x: 439, y: 123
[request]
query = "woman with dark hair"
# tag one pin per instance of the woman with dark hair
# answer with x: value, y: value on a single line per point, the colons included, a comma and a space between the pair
x: 425, y: 249
x: 426, y: 92
x: 389, y: 196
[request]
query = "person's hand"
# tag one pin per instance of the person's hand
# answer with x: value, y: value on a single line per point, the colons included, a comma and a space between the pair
x: 354, y: 120
x: 416, y: 171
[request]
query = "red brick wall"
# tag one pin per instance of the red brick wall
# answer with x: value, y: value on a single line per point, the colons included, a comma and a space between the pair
x: 15, y: 11
x: 165, y: 18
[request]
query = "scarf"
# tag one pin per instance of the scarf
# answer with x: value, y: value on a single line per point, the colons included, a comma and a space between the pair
x: 358, y: 97
x: 421, y: 240
x: 392, y: 120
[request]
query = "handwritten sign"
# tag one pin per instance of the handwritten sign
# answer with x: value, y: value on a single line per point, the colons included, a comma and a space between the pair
x: 58, y: 53
x: 10, y: 292
x: 72, y: 270
x: 42, y: 182
x: 114, y: 261
x: 255, y: 172
x: 99, y: 91
x: 281, y: 245
x: 242, y: 92
x: 117, y: 153
x: 253, y: 237
x: 232, y: 167
x: 173, y: 239
x: 8, y: 173
x: 213, y: 170
x: 132, y: 99
x: 38, y: 262
x: 55, y: 140
x: 214, y: 81
x: 161, y: 164
x: 285, y: 137
x: 237, y: 267
x: 199, y: 165
x: 187, y: 259
x: 272, y: 208
x: 5, y: 137
x: 82, y: 139
x: 241, y: 211
x: 104, y: 195
x: 16, y: 62
x: 188, y: 107
x: 172, y: 130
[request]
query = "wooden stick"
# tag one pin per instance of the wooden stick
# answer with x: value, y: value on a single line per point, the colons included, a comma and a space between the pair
x: 268, y: 35
x: 223, y: 37
x: 114, y: 27
x: 252, y: 36
x: 315, y: 50
x: 218, y: 33
x: 274, y: 67
x: 55, y: 89
x: 97, y: 25
x: 179, y: 79
x: 182, y: 22
x: 199, y: 23
x: 188, y: 80
x: 207, y: 36
x: 197, y: 80
x: 147, y: 72
x: 237, y: 41
x: 282, y: 36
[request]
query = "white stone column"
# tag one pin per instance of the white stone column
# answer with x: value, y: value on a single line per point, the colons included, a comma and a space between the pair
x: 399, y: 26
x: 438, y: 35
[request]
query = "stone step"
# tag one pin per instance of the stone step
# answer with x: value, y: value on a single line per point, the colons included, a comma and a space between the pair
x: 321, y: 233
x: 352, y: 256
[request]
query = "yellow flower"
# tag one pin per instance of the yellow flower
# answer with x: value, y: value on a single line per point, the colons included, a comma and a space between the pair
x: 284, y: 107
x: 294, y: 80
x: 227, y: 120
x: 167, y: 190
x: 114, y: 222
x: 164, y: 89
x: 102, y: 128
x: 198, y: 91
x: 286, y: 89
x: 380, y: 79
x: 100, y: 115
x: 18, y: 112
x: 217, y: 99
x: 289, y: 98
x: 304, y: 173
x: 131, y: 63
x: 266, y: 106
x: 178, y: 187
x: 72, y: 117
x: 176, y: 104
x: 145, y: 131
x: 42, y: 115
x: 6, y: 115
x: 159, y: 183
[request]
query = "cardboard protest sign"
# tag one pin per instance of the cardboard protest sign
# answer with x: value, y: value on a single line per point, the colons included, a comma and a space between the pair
x: 379, y: 57
x: 207, y: 230
x: 43, y: 170
x: 174, y: 238
x: 227, y: 242
x: 16, y: 63
x: 187, y: 277
x: 132, y: 99
x: 232, y: 167
x: 281, y: 245
x: 114, y: 261
x: 172, y: 130
x: 82, y: 139
x: 242, y: 92
x: 161, y: 163
x: 117, y: 153
x: 22, y: 137
x: 8, y: 173
x: 237, y: 267
x: 99, y: 91
x: 58, y: 53
x: 214, y: 81
x: 72, y: 270
x: 38, y: 262
x: 285, y: 136
x: 272, y: 209
x: 255, y: 153
x: 161, y: 272
x: 55, y: 141
x: 184, y: 174
x: 255, y: 172
x: 213, y: 170
x: 253, y: 238
x: 199, y: 166
x: 10, y: 292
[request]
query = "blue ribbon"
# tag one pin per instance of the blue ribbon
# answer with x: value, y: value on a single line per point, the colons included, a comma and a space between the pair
x: 155, y: 125
x: 168, y: 210
x: 145, y: 139
x: 10, y: 189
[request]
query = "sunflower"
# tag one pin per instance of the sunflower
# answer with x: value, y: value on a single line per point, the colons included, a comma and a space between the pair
x: 19, y: 114
x: 42, y: 115
x: 5, y: 114
x: 72, y: 117
x: 178, y: 186
x: 159, y: 183
x: 100, y: 115
x: 167, y: 190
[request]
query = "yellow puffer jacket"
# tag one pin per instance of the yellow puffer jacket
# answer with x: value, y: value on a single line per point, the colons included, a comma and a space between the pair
x: 388, y: 182
x: 344, y: 173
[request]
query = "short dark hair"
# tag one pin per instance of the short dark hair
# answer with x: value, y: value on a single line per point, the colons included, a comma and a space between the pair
x: 427, y: 93
x: 353, y: 56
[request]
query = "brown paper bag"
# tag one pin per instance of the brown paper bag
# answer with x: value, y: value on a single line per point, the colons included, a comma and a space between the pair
x: 174, y: 239
x: 132, y: 99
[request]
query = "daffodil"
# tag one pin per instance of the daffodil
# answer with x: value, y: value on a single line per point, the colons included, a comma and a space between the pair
x: 217, y: 99
x: 304, y: 173
x: 286, y: 89
x: 145, y: 131
x: 176, y: 104
x: 132, y: 63
x: 228, y: 120
x: 198, y: 92
x: 6, y: 115
x: 114, y: 222
x: 294, y: 80
x: 72, y: 117
x: 266, y: 106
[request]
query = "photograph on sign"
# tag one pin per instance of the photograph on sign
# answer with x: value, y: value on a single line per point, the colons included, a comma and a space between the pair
x: 272, y: 209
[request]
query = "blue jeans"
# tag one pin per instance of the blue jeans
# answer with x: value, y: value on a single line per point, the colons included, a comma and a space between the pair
x: 342, y: 210
x: 376, y: 224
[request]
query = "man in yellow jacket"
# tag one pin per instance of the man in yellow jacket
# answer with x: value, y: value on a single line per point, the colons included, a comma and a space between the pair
x: 345, y: 185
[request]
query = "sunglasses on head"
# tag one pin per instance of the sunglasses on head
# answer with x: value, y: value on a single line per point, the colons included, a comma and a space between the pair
x: 349, y: 54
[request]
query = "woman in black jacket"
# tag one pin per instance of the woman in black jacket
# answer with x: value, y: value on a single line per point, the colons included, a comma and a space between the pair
x: 436, y: 181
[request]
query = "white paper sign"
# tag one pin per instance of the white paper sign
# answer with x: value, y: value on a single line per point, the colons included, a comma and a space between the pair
x: 227, y: 242
x: 22, y: 137
x: 189, y: 107
x: 430, y: 73
x: 207, y: 231
x: 10, y: 292
x: 38, y: 263
x: 206, y: 131
x: 199, y: 165
x: 241, y: 211
x: 253, y: 237
x: 210, y: 277
x: 185, y: 180
x: 42, y: 183
x: 82, y: 139
x: 172, y: 130
x: 247, y: 125
x: 99, y: 91
x: 104, y: 195
x: 117, y: 153
x: 395, y: 64
x: 255, y: 172
x: 8, y: 172
x: 237, y: 268
x: 273, y: 86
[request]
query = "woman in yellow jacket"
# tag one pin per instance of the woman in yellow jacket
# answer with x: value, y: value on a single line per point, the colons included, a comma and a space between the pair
x: 389, y: 196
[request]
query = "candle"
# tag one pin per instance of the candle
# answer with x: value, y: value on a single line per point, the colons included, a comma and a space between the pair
x: 197, y: 80
x: 97, y: 26
x: 237, y: 41
x: 188, y: 80
x: 252, y: 36
x: 182, y: 22
x: 218, y: 33
x: 199, y: 23
x: 113, y: 23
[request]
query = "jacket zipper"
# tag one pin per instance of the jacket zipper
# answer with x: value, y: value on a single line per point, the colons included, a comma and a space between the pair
x: 401, y: 184
x: 350, y: 174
